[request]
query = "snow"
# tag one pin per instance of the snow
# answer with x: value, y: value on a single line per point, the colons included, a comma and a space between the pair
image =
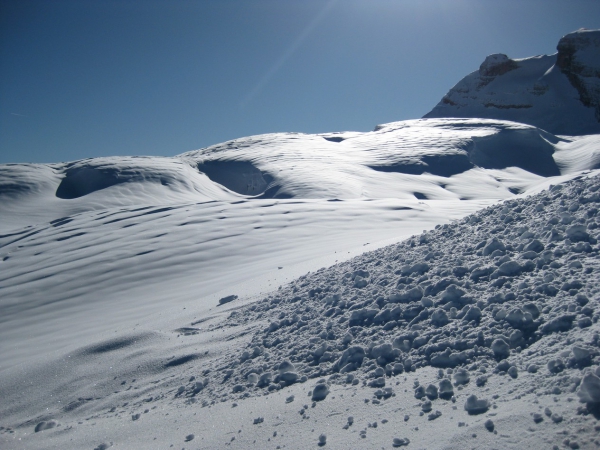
x: 430, y: 284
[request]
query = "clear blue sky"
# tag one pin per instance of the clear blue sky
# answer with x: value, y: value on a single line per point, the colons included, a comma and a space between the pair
x: 83, y: 78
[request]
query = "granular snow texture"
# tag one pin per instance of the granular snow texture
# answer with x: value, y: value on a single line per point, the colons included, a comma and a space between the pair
x: 486, y: 291
x: 511, y: 289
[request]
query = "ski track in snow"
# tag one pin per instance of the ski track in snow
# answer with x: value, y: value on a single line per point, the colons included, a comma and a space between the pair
x: 148, y: 304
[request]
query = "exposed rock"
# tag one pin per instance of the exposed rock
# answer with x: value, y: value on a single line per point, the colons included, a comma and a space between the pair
x: 496, y: 64
x: 557, y: 93
x: 574, y: 51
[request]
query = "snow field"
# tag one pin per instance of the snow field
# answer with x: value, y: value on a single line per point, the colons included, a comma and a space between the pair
x: 436, y: 341
x: 158, y: 302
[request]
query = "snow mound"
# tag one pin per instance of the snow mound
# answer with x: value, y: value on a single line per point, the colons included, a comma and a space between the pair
x: 487, y: 294
x: 426, y: 159
x: 86, y: 177
x: 559, y: 93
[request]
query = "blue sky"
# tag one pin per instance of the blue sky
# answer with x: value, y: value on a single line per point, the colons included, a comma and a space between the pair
x: 83, y: 78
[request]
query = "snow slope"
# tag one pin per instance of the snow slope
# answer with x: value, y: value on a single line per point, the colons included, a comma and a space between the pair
x: 110, y: 268
x: 185, y: 302
x: 559, y: 93
x: 95, y: 235
x: 502, y: 304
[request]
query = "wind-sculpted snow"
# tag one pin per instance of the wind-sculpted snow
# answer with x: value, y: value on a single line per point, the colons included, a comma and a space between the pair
x: 493, y: 317
x: 359, y: 164
x: 437, y: 159
x: 237, y: 176
x: 135, y: 289
x: 444, y: 153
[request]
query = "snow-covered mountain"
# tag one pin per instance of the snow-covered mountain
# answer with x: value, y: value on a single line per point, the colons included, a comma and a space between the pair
x: 153, y: 302
x: 559, y: 93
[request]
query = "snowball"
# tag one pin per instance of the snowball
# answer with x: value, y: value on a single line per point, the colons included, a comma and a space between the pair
x: 492, y: 245
x: 475, y: 406
x: 227, y: 299
x: 399, y: 442
x: 561, y: 323
x: 577, y: 233
x: 351, y: 359
x: 446, y: 390
x: 384, y: 351
x: 439, y: 318
x: 510, y: 268
x: 452, y: 294
x: 534, y: 246
x: 320, y: 392
x: 500, y: 348
x: 556, y: 365
x: 589, y: 389
x: 265, y: 379
x: 360, y: 282
x: 580, y: 354
x: 431, y: 392
x: 461, y: 376
x: 286, y: 366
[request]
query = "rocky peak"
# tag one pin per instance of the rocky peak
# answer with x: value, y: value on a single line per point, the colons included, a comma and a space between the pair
x: 579, y: 59
x: 496, y: 64
x: 559, y: 93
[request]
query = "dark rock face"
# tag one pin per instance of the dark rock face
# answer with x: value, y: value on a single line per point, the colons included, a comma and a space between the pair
x: 583, y: 71
x: 497, y: 64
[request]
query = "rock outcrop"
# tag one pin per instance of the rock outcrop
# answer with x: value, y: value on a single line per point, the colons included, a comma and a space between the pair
x: 578, y: 58
x: 559, y: 93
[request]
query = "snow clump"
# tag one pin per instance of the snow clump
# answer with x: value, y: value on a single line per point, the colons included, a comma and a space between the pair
x: 507, y: 289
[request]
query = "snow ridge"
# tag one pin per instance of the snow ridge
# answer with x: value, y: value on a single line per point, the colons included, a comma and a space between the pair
x: 436, y: 159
